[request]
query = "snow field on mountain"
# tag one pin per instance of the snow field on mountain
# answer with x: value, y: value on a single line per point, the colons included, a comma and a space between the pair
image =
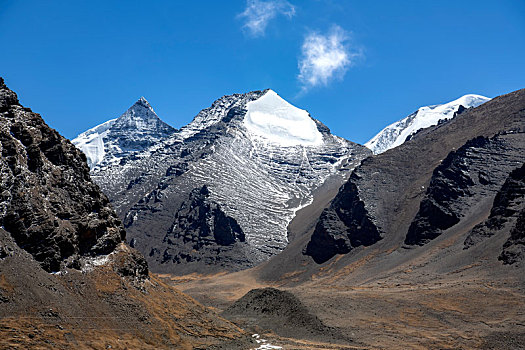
x: 91, y: 142
x: 278, y: 122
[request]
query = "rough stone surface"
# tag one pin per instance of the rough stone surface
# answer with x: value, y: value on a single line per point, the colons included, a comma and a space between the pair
x: 508, y: 203
x: 476, y: 170
x: 343, y: 226
x: 514, y: 247
x: 48, y: 202
x: 202, y: 232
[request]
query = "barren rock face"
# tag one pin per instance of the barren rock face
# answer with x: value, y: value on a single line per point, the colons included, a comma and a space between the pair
x: 48, y: 202
x: 445, y: 176
x: 343, y: 226
x: 476, y: 170
x: 200, y: 225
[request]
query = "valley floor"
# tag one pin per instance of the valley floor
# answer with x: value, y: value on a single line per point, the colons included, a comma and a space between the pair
x: 454, y: 311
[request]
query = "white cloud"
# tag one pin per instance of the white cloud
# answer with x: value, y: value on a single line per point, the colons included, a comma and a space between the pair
x: 325, y: 57
x: 258, y: 13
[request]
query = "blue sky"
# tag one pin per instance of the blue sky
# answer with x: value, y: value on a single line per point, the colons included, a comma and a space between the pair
x: 355, y: 65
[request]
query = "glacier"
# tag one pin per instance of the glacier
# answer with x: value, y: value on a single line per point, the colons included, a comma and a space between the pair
x: 91, y: 142
x: 277, y: 121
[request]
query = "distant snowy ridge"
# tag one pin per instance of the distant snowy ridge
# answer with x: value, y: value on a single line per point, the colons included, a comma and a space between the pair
x: 395, y: 134
x: 134, y: 131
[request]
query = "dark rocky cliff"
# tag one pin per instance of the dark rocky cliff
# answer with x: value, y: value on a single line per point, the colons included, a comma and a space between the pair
x: 514, y: 248
x: 48, y: 203
x: 475, y: 171
x: 508, y: 203
x: 346, y: 224
x: 202, y: 232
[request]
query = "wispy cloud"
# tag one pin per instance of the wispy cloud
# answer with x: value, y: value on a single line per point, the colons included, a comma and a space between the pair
x: 325, y: 57
x: 258, y: 14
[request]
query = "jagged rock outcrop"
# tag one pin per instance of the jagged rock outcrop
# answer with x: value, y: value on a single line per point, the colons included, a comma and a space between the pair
x: 476, y: 170
x: 514, y: 248
x: 47, y: 202
x: 508, y: 203
x: 343, y: 226
x: 203, y: 222
x: 201, y: 231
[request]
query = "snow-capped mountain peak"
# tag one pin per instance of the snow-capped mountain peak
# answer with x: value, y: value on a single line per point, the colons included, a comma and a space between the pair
x: 395, y: 134
x: 275, y: 120
x: 140, y: 115
x: 135, y: 130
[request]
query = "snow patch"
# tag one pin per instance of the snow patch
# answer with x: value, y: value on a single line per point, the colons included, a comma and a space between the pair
x: 264, y: 345
x: 91, y: 142
x: 272, y: 118
x: 396, y: 133
x: 90, y: 263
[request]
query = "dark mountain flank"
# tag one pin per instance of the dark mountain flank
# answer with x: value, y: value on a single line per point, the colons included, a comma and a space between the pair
x: 343, y: 226
x: 506, y: 208
x: 200, y: 225
x: 445, y: 175
x: 67, y: 279
x: 476, y: 170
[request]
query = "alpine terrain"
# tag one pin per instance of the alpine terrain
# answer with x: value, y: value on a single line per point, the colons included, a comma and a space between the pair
x: 219, y: 193
x: 67, y: 277
x: 402, y: 130
x: 422, y: 247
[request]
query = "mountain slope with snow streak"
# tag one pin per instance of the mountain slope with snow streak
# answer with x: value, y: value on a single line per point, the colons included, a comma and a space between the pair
x: 260, y: 159
x: 396, y: 133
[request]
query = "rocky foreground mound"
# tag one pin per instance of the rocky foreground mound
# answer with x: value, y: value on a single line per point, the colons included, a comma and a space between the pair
x: 280, y: 311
